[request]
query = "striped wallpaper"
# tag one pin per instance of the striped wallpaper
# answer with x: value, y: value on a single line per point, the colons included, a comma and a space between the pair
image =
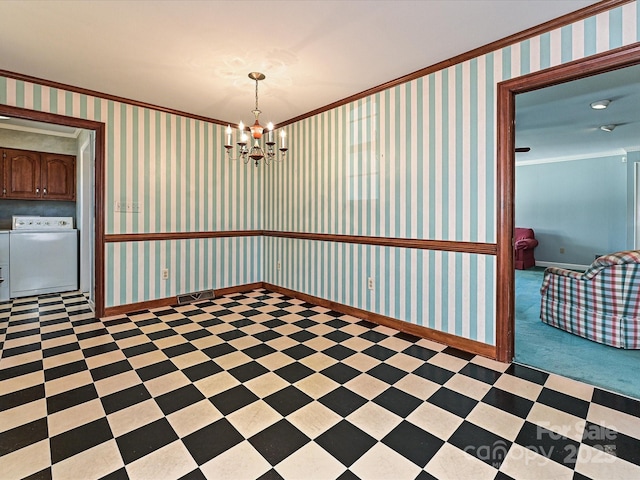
x: 433, y: 289
x: 414, y: 161
x: 176, y: 169
x: 194, y: 265
x: 174, y: 166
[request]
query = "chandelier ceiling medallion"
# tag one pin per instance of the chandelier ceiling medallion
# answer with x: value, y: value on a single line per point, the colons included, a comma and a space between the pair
x: 256, y: 152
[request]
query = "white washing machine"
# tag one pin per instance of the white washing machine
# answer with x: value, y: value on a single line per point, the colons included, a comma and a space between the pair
x: 43, y: 256
x: 4, y: 265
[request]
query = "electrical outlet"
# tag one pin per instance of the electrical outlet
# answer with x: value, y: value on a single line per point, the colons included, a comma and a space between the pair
x: 370, y: 283
x: 165, y: 274
x: 136, y: 207
x: 118, y: 206
x: 278, y: 266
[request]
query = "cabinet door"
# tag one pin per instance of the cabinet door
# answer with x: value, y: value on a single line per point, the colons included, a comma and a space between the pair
x: 22, y: 169
x: 58, y: 177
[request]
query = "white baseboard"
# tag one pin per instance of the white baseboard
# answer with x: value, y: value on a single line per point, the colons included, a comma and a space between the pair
x: 568, y: 266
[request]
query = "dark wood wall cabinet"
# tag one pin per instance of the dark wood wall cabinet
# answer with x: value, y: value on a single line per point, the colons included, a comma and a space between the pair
x: 37, y: 175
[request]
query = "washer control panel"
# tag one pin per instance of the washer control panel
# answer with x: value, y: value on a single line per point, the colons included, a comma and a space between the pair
x: 20, y: 222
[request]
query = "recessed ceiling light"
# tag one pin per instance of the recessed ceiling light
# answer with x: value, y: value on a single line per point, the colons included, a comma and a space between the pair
x: 608, y: 128
x: 600, y: 104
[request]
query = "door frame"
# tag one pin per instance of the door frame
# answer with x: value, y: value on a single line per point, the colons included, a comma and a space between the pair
x: 507, y: 90
x: 99, y: 182
x: 86, y: 161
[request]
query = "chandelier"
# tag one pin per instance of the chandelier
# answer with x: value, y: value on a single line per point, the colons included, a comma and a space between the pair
x: 256, y: 152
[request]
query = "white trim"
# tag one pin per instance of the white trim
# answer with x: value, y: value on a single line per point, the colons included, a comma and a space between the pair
x: 571, y: 158
x: 636, y: 205
x: 568, y: 266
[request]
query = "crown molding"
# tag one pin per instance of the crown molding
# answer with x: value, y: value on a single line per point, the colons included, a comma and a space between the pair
x: 572, y: 158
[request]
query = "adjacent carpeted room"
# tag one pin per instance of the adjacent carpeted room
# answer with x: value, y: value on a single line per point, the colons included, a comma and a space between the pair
x: 553, y: 350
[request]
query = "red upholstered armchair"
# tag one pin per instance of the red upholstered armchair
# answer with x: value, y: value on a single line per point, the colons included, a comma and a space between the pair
x: 525, y: 242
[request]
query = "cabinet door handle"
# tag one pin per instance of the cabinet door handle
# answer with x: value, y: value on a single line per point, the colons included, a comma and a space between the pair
x: 37, y: 190
x: 45, y: 191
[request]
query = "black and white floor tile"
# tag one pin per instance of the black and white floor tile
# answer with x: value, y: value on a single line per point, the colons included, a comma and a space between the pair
x: 262, y: 386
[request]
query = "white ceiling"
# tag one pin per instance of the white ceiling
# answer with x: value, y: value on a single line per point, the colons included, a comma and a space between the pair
x: 558, y: 123
x: 194, y: 56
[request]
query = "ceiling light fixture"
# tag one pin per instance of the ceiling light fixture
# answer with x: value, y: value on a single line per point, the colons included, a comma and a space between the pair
x: 256, y: 152
x: 608, y: 128
x: 600, y: 104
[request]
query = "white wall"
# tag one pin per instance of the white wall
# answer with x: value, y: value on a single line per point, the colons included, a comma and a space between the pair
x: 37, y: 142
x: 579, y: 206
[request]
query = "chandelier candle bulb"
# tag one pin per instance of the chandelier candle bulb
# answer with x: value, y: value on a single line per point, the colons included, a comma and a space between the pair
x: 270, y: 133
x: 229, y: 131
x: 283, y: 139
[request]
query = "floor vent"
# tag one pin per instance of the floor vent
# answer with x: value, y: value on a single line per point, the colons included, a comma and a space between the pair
x: 195, y: 296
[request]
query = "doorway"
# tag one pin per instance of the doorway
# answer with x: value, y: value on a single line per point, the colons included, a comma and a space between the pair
x: 566, y: 155
x: 505, y: 298
x: 96, y: 216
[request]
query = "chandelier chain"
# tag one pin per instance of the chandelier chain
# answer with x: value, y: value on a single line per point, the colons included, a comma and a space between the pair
x: 257, y: 96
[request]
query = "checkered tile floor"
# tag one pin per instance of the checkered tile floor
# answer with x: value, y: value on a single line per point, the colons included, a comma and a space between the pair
x: 260, y: 385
